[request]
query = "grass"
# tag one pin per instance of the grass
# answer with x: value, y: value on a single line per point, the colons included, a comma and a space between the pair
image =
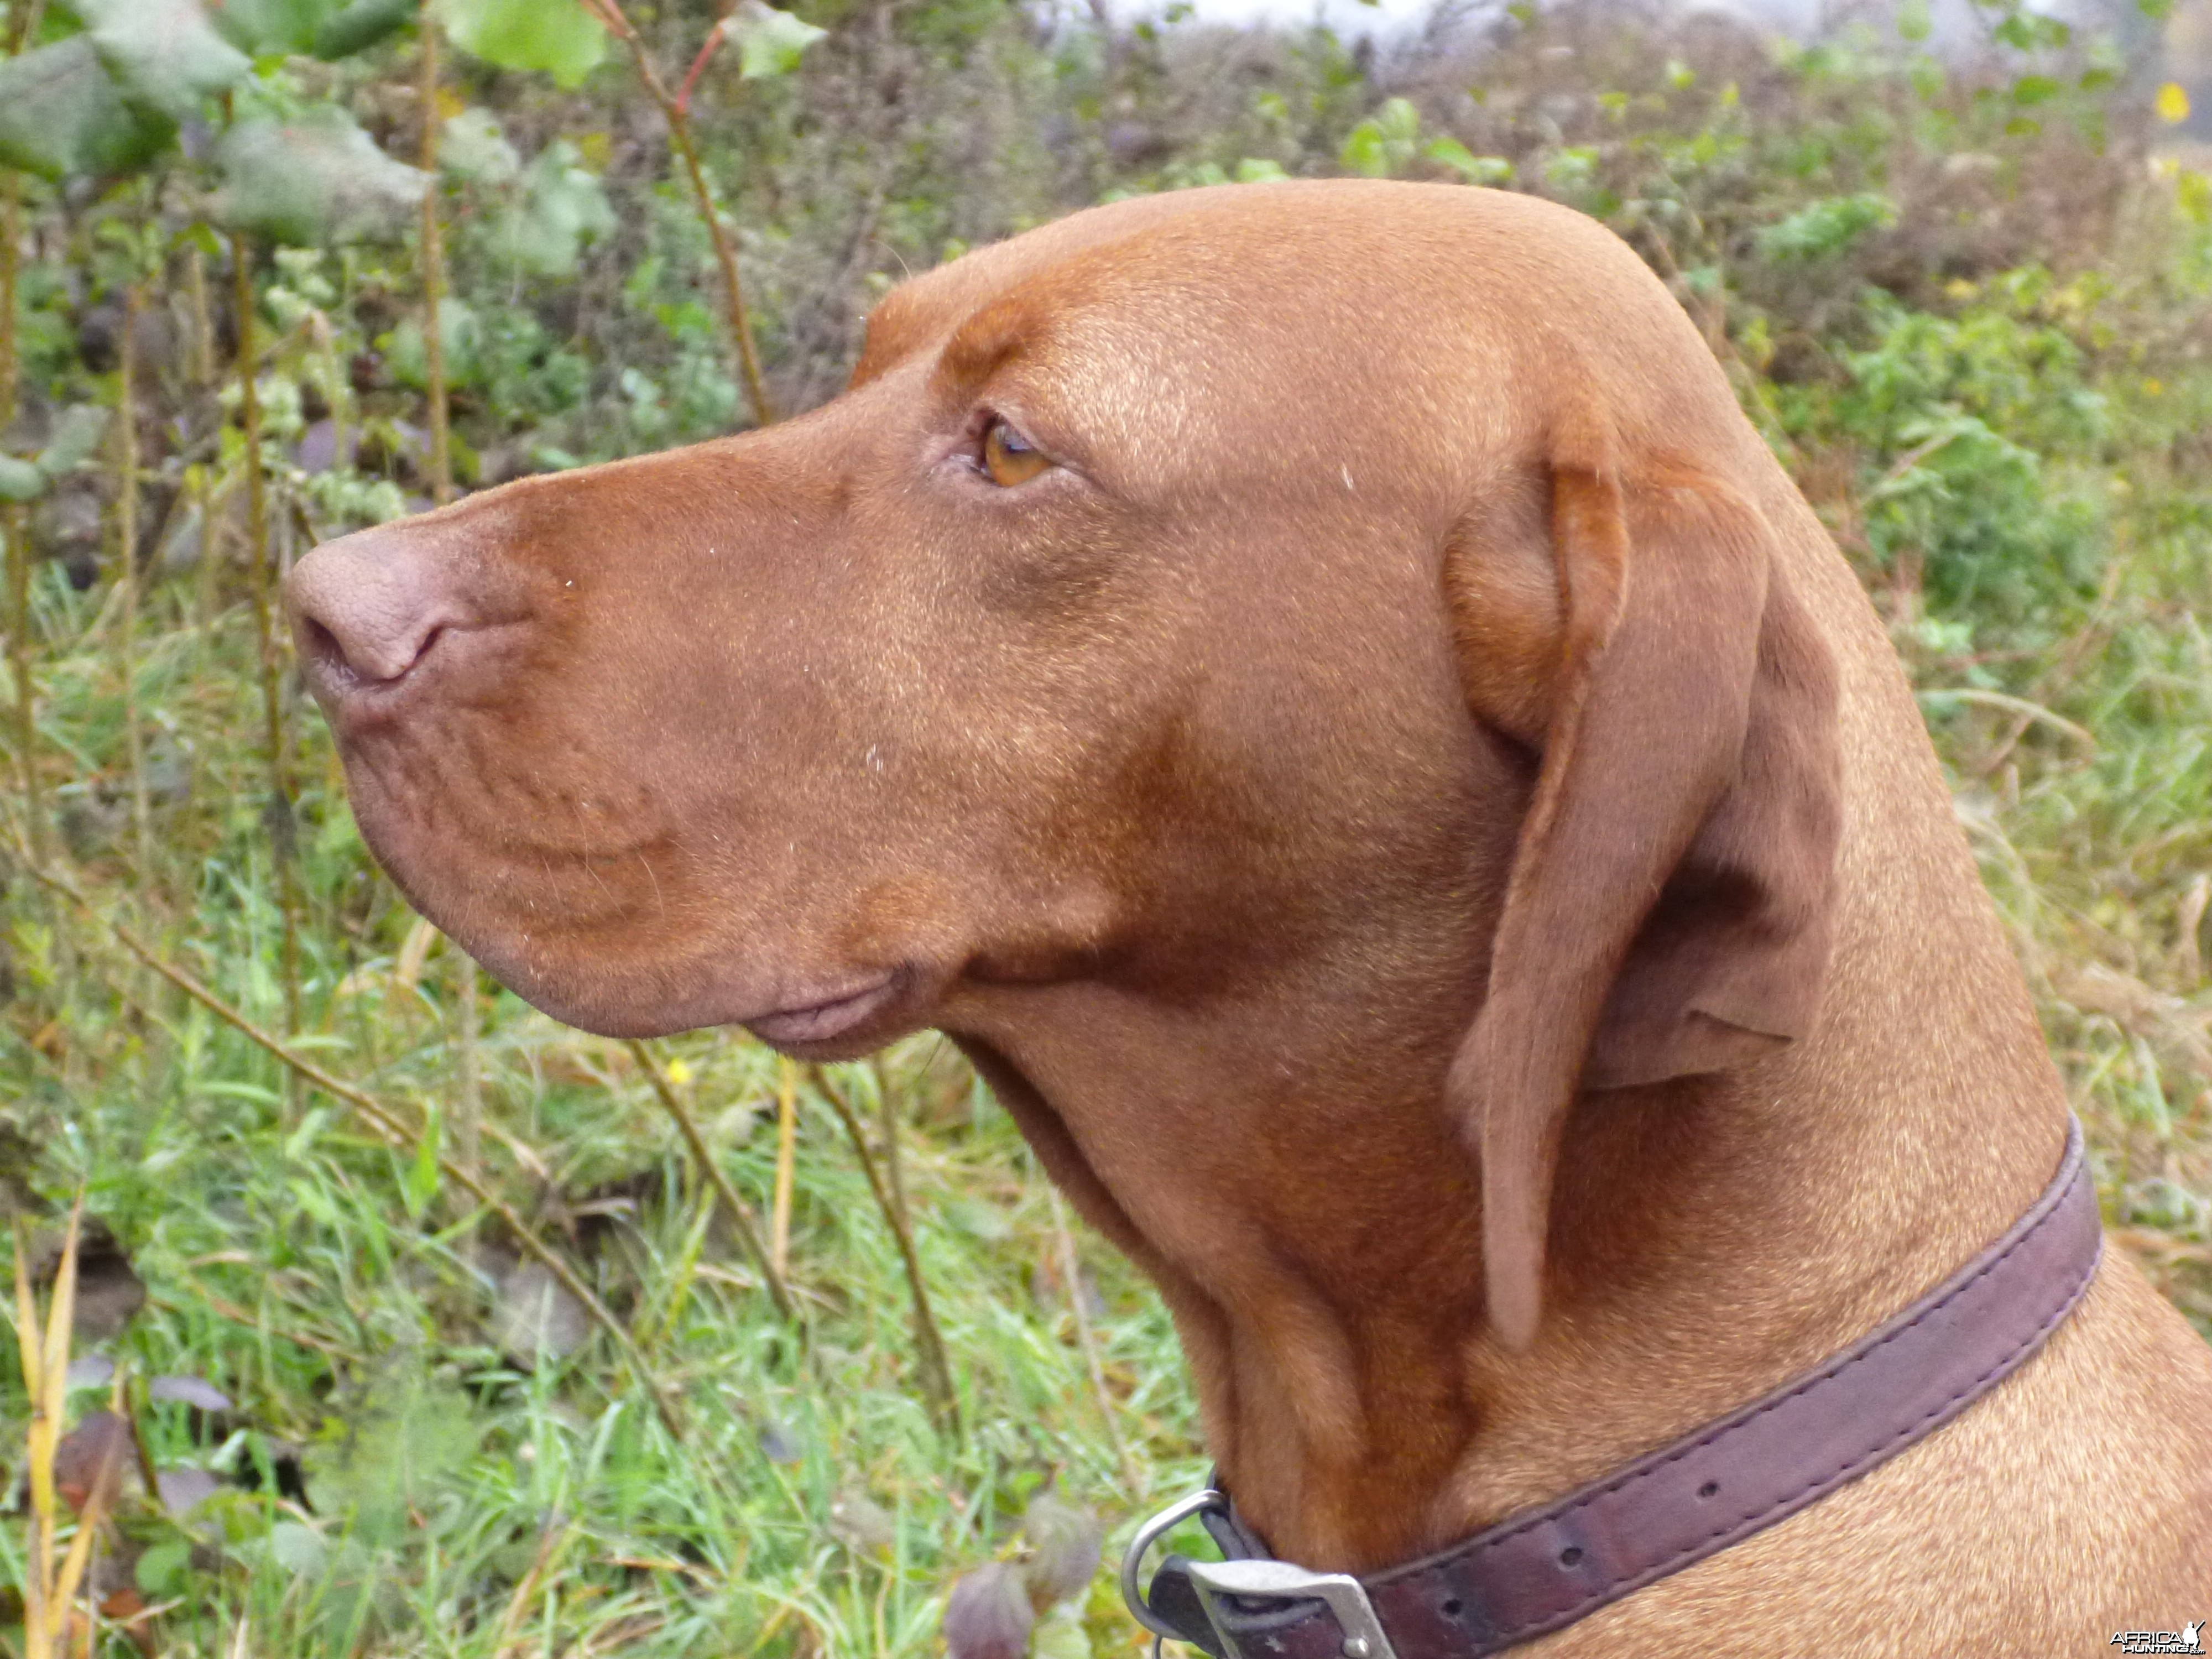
x: 403, y: 1440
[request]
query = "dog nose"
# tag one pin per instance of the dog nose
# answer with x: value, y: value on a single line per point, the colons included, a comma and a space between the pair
x: 373, y: 604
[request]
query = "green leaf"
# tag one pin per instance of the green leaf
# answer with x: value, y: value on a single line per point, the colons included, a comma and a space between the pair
x: 557, y: 36
x: 164, y: 53
x: 1400, y: 121
x: 20, y: 481
x: 1826, y: 227
x: 563, y: 207
x: 404, y: 1443
x: 422, y: 1183
x: 161, y: 1569
x: 357, y: 27
x: 1475, y: 169
x: 459, y: 331
x: 1258, y: 170
x: 1380, y: 146
x: 1061, y: 1636
x: 314, y: 179
x: 769, y: 42
x: 61, y: 114
x: 298, y: 1548
x: 76, y: 436
x: 272, y: 26
x: 472, y: 148
x: 1362, y: 151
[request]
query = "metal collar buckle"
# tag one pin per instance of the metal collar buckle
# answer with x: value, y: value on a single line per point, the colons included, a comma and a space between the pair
x: 1261, y: 1580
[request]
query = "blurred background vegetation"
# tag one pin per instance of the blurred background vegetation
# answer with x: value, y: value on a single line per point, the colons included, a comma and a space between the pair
x: 408, y: 1322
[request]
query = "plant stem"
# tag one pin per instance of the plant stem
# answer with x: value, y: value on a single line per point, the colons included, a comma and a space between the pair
x: 284, y: 831
x: 468, y: 1066
x: 929, y: 1345
x: 741, y: 1213
x: 677, y: 113
x: 126, y: 532
x: 14, y: 522
x: 434, y: 268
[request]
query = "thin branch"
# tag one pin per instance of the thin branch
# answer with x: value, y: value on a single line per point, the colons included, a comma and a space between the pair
x: 679, y: 116
x: 741, y: 1213
x: 434, y: 268
x: 936, y: 1372
x: 15, y: 521
x: 126, y: 532
x: 715, y: 38
x: 281, y: 821
x: 388, y: 1124
x: 468, y: 1019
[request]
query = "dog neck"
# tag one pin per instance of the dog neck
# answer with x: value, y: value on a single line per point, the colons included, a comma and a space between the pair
x: 1311, y: 1216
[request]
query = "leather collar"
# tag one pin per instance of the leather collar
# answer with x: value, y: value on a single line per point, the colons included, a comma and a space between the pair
x: 1542, y: 1570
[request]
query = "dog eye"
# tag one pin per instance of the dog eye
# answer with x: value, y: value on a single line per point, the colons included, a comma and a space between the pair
x: 1009, y: 459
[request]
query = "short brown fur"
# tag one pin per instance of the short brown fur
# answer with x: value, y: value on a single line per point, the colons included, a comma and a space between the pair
x: 1417, y: 821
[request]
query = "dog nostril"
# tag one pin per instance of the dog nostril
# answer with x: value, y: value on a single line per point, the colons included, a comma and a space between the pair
x: 1570, y: 1555
x: 369, y: 608
x: 319, y: 642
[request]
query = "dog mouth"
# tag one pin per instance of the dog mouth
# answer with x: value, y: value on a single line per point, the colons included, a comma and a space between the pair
x: 825, y: 1019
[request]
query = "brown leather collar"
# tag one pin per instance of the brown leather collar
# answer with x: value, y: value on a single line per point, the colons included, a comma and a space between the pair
x: 1540, y: 1570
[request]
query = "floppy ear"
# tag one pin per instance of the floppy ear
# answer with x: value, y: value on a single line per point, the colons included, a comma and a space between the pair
x: 1668, y: 911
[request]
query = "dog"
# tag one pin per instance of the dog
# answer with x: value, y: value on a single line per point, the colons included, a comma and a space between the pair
x: 1318, y: 689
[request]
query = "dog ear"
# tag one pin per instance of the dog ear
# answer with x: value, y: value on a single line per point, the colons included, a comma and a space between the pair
x: 1668, y: 909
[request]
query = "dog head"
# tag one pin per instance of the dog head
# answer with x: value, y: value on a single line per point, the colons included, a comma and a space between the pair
x: 1196, y: 587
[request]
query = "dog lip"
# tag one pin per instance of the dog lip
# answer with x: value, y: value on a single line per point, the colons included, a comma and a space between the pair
x: 826, y: 1018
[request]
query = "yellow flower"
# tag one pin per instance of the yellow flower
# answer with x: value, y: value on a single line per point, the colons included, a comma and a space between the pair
x: 679, y: 1073
x: 2171, y: 103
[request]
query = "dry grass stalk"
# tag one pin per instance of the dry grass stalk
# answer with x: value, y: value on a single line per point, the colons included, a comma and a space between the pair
x: 787, y: 1167
x: 50, y: 1587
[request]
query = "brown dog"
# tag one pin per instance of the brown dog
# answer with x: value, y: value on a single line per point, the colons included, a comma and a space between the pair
x: 1319, y: 690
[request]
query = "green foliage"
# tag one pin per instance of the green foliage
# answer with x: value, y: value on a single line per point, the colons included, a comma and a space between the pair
x: 356, y: 26
x: 1823, y: 228
x: 1389, y: 142
x: 77, y: 433
x: 166, y: 53
x: 62, y: 114
x: 263, y: 27
x: 315, y: 179
x: 559, y: 210
x: 769, y: 42
x: 557, y: 36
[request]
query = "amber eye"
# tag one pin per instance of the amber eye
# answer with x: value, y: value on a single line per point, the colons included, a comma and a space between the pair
x: 1010, y: 459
